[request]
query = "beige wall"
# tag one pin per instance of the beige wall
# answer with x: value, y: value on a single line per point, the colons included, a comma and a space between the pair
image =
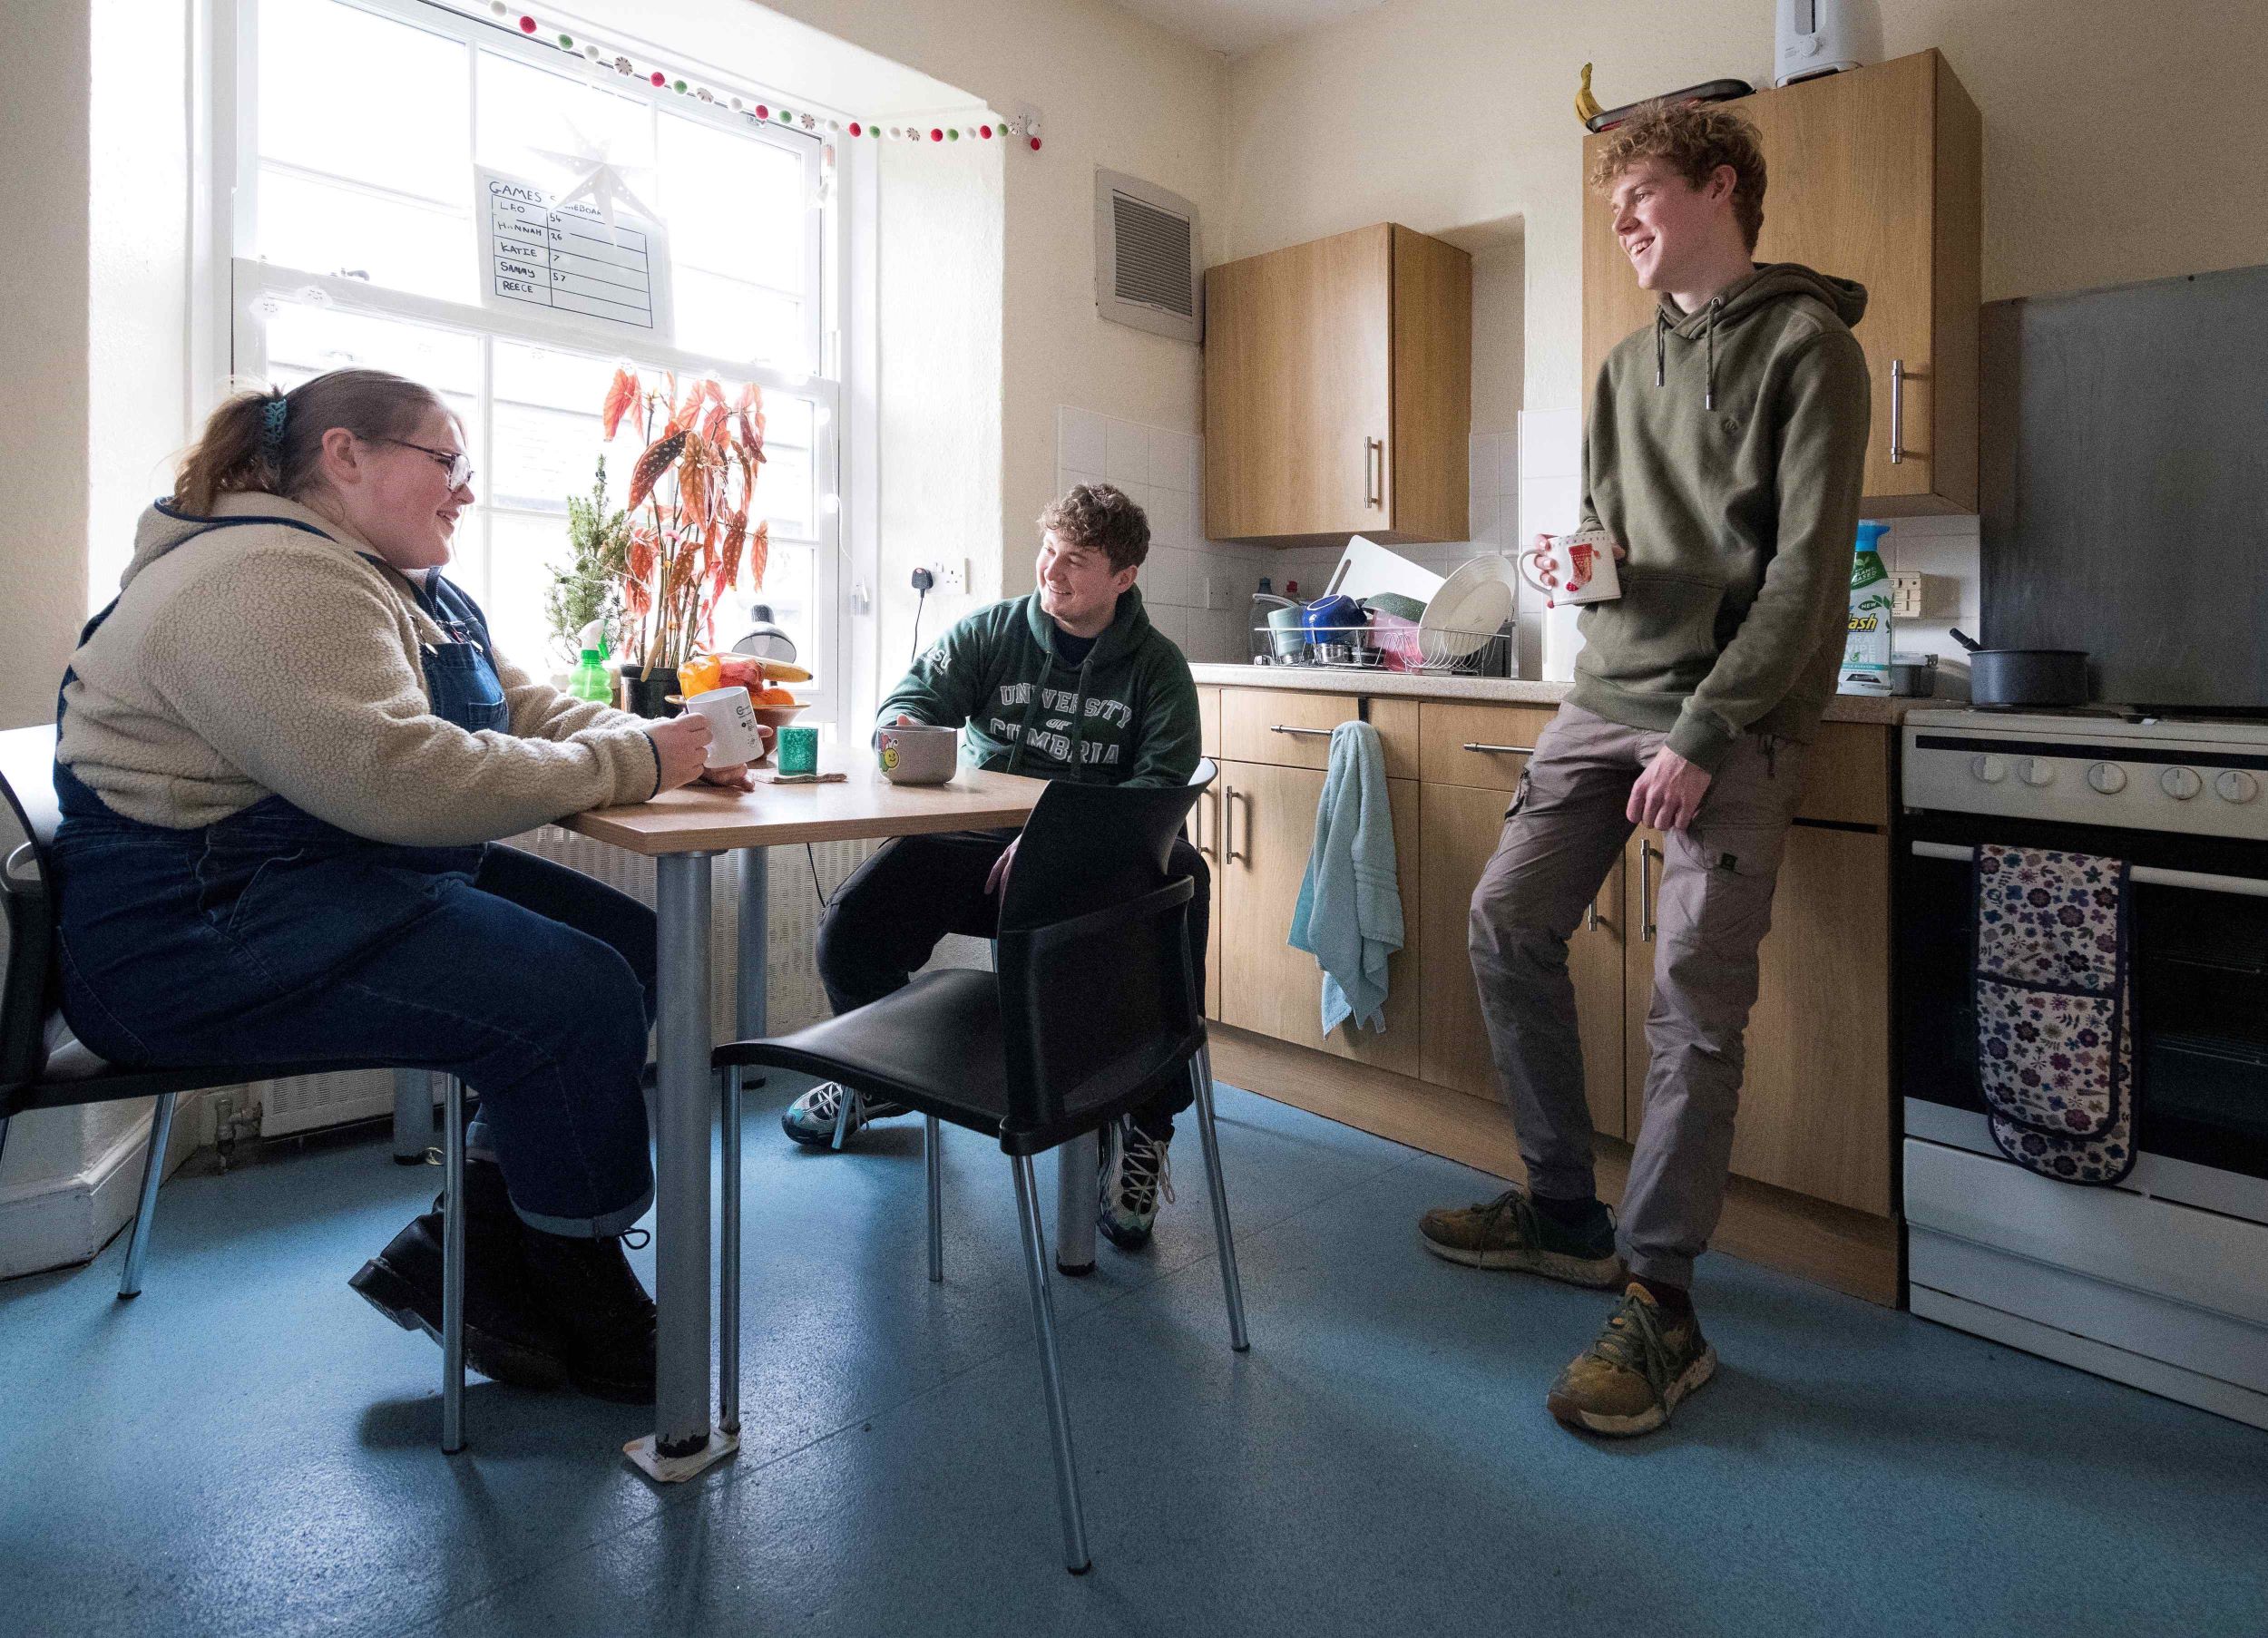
x: 43, y: 194
x: 1112, y: 91
x: 2115, y: 133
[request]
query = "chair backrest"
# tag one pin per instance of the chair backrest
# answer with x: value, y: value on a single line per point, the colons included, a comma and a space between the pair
x: 1097, y: 993
x: 28, y: 817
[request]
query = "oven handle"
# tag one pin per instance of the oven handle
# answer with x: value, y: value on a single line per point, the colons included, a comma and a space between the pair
x: 2251, y: 887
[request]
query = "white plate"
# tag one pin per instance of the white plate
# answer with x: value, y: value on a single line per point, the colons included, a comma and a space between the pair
x: 1366, y: 569
x: 1467, y: 610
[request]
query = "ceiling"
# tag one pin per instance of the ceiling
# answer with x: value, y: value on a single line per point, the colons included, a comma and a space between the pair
x: 1234, y: 26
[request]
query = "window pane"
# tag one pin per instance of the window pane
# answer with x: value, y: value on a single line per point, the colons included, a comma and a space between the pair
x: 734, y: 319
x: 788, y: 591
x: 736, y: 206
x: 328, y: 229
x: 524, y: 109
x: 362, y: 122
x: 524, y: 550
x: 303, y: 340
x: 782, y: 492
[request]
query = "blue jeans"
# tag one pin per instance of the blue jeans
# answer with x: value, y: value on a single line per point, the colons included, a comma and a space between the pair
x: 273, y: 937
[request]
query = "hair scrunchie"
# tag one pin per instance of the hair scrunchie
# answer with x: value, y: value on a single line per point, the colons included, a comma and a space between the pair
x: 271, y: 433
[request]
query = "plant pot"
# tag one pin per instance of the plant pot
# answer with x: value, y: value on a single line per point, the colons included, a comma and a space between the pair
x: 644, y: 693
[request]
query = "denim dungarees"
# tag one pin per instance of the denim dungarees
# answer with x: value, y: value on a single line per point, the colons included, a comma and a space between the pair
x: 275, y: 936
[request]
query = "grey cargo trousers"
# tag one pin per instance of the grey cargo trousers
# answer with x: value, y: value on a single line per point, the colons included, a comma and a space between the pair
x: 1713, y: 908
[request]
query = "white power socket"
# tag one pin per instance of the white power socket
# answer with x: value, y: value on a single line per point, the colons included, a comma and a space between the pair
x: 1908, y: 590
x: 953, y: 577
x: 1215, y: 592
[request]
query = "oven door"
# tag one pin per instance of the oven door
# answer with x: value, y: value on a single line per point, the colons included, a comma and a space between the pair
x: 2200, y: 965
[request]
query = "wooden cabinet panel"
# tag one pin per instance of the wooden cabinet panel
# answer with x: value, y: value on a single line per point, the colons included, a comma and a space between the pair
x: 1873, y: 176
x: 1462, y: 825
x: 1298, y: 387
x: 1467, y: 744
x: 1846, y: 774
x: 1269, y: 825
x: 1292, y: 729
x: 1338, y: 388
x: 1208, y: 723
x: 1814, y: 1113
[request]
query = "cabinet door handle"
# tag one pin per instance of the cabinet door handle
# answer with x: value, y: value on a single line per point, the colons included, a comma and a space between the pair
x: 1591, y: 917
x: 1203, y: 851
x: 1282, y: 728
x: 1896, y: 411
x: 1508, y: 750
x: 1648, y: 853
x: 1229, y: 825
x: 1373, y: 471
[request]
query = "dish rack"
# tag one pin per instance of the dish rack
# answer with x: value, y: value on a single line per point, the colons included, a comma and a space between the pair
x: 1388, y: 644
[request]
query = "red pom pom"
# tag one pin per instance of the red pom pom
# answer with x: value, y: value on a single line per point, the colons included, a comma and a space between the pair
x: 763, y: 112
x: 854, y: 128
x: 937, y: 136
x: 985, y: 131
x: 527, y: 25
x: 660, y: 79
x: 1035, y: 145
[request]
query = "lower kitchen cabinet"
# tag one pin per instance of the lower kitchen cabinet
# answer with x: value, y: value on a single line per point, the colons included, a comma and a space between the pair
x: 1460, y: 825
x: 1815, y: 1106
x: 1268, y: 828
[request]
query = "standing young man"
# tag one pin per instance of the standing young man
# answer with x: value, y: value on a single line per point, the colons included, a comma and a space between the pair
x: 1071, y: 682
x: 1723, y: 454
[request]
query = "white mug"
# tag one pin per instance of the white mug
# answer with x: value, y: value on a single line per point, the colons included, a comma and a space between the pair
x: 736, y: 737
x: 1577, y: 567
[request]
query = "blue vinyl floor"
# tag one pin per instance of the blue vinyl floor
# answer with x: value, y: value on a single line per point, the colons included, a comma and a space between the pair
x: 247, y: 1448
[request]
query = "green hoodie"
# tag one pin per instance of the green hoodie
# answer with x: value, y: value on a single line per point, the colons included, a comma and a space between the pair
x: 1128, y: 716
x: 1724, y: 450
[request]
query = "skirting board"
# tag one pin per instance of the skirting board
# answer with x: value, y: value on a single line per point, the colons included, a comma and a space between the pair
x: 1852, y: 1252
x: 63, y: 1219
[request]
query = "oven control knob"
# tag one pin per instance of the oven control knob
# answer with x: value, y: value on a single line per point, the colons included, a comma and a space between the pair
x: 2036, y: 770
x: 1990, y: 769
x: 2180, y: 783
x: 2234, y: 787
x: 2108, y: 777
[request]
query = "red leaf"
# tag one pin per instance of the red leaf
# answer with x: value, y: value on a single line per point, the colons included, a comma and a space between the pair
x: 658, y: 459
x: 759, y: 554
x: 621, y: 394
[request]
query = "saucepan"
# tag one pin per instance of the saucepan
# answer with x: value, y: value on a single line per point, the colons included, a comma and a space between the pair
x: 2025, y: 676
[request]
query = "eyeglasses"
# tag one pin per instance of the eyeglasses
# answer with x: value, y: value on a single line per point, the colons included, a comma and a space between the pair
x: 460, y: 464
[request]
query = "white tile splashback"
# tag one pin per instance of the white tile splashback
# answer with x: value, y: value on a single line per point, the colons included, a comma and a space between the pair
x: 1161, y: 470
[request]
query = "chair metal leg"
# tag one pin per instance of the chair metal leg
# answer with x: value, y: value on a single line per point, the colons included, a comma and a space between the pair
x: 933, y: 1159
x: 1201, y: 1083
x: 728, y: 1264
x: 1078, y: 1171
x: 412, y: 1115
x: 1075, y: 1558
x: 146, y: 1209
x: 842, y: 1096
x: 453, y: 1274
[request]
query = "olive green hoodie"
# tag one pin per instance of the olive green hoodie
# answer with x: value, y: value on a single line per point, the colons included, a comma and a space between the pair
x: 1724, y: 450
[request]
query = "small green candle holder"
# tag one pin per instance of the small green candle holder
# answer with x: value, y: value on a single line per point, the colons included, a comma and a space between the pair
x: 798, y: 751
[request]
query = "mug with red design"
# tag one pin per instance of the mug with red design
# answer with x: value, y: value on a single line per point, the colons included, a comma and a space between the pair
x: 1577, y: 567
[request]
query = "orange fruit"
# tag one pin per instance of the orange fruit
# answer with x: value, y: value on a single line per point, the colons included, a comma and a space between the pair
x: 775, y: 697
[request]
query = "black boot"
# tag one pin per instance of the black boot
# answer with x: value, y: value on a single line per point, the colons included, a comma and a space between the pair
x: 604, y: 1319
x: 508, y: 1336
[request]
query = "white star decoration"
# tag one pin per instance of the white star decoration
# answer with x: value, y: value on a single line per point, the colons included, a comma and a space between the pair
x: 599, y: 179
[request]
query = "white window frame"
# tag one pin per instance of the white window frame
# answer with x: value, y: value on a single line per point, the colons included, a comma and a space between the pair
x: 246, y: 280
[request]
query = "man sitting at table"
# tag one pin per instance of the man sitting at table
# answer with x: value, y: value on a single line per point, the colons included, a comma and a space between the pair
x: 1071, y: 682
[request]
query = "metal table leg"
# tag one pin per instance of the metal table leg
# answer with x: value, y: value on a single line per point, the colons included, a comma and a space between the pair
x: 752, y: 1011
x: 683, y: 1441
x: 412, y: 1115
x: 1076, y: 1163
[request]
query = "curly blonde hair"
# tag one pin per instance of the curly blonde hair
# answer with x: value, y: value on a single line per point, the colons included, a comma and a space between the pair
x: 1693, y: 139
x: 1103, y: 517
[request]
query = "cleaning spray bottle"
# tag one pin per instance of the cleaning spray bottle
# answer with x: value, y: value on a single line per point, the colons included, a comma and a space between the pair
x: 1866, y: 649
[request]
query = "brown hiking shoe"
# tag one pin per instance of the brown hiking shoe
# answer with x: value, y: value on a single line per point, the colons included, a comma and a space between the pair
x: 1508, y: 1231
x: 1642, y: 1365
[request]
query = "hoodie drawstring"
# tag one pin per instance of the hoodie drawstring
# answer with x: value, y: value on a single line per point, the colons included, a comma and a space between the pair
x: 1661, y: 349
x: 1661, y: 331
x: 1708, y: 382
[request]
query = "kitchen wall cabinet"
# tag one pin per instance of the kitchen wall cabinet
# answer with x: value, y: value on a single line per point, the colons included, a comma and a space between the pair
x: 1874, y: 175
x: 1338, y: 389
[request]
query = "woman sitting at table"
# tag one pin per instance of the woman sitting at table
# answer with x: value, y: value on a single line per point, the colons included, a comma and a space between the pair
x: 286, y: 750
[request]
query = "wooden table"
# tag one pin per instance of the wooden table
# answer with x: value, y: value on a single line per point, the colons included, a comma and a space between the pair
x: 682, y: 831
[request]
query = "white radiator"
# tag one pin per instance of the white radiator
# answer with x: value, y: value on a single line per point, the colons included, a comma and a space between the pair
x: 306, y: 1102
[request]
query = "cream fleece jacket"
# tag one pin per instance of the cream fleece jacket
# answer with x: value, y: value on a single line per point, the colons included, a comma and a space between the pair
x: 262, y: 660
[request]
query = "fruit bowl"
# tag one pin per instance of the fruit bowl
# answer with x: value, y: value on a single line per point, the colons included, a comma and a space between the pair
x: 777, y: 718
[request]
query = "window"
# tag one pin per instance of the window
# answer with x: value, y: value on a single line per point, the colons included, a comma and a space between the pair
x: 355, y: 240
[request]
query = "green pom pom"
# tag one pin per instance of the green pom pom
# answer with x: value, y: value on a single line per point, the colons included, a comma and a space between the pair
x: 566, y: 42
x: 786, y: 118
x: 677, y: 85
x: 952, y: 135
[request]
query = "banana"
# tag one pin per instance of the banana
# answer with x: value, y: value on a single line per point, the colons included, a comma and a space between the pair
x: 779, y: 671
x: 1586, y: 107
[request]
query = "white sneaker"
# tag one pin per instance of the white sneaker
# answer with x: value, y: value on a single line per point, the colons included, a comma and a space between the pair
x: 1136, y: 1178
x: 817, y: 1119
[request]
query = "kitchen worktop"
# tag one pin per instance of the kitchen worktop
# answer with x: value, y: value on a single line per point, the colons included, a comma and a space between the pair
x: 1496, y: 690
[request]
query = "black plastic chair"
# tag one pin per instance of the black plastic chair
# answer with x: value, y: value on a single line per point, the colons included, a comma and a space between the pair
x: 1092, y: 1003
x: 44, y: 1067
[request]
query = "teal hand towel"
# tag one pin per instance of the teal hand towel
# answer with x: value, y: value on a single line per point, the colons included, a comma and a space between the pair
x: 1349, y: 914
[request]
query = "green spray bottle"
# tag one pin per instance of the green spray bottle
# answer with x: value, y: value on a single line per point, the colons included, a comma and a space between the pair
x: 1866, y: 649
